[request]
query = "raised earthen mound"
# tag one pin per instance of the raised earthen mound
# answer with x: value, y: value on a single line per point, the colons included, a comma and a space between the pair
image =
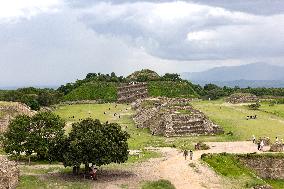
x: 172, y: 117
x: 9, y: 174
x: 242, y: 98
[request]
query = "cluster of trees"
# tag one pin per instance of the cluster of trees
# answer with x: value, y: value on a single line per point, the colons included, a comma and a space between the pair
x: 213, y: 91
x: 89, y: 142
x: 33, y: 97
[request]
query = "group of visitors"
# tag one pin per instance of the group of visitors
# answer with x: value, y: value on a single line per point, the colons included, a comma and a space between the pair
x: 185, y: 154
x: 261, y: 142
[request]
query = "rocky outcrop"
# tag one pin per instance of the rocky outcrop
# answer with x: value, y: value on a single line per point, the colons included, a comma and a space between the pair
x: 172, y: 117
x: 9, y: 174
x: 130, y: 92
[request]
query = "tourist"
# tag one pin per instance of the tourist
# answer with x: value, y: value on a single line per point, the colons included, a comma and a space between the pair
x: 276, y: 140
x: 261, y: 145
x: 93, y: 172
x: 190, y: 154
x: 258, y: 146
x: 185, y: 154
x: 253, y: 139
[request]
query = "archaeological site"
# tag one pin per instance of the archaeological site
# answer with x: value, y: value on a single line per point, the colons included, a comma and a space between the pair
x: 172, y: 117
x: 132, y: 91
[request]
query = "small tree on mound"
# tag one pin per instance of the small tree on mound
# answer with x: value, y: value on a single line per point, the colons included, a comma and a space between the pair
x: 90, y: 141
x: 39, y: 134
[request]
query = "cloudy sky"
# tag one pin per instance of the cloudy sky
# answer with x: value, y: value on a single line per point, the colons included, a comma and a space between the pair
x: 51, y: 42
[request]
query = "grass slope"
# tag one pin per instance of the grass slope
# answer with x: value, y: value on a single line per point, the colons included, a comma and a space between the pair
x: 171, y: 89
x: 105, y: 91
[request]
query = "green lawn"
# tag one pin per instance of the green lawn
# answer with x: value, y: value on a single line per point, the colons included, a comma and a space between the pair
x: 233, y: 118
x: 139, y: 138
x: 277, y: 109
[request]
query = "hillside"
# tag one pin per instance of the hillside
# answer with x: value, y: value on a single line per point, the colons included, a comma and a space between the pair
x: 106, y: 91
x: 245, y: 75
x: 171, y: 89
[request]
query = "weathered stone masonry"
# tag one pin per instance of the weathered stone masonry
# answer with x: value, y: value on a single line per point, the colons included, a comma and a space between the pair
x: 12, y: 110
x: 173, y: 117
x: 132, y: 91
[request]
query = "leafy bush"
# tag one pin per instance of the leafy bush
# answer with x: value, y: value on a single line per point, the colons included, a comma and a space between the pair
x: 254, y: 106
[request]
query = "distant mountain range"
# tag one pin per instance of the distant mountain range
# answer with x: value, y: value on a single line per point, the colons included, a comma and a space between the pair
x: 253, y: 75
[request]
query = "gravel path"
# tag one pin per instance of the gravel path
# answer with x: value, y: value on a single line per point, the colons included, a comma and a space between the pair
x: 184, y: 174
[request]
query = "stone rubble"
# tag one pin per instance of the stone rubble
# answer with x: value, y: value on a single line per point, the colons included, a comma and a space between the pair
x: 9, y: 173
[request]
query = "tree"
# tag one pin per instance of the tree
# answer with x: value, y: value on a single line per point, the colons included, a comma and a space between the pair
x: 90, y: 141
x: 39, y: 134
x: 171, y: 77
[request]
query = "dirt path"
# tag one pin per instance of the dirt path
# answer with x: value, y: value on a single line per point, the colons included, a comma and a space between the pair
x: 184, y: 174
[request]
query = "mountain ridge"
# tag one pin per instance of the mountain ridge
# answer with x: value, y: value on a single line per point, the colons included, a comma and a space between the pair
x: 249, y: 73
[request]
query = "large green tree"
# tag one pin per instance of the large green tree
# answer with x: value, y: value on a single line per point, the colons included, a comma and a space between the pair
x: 39, y: 134
x: 91, y: 141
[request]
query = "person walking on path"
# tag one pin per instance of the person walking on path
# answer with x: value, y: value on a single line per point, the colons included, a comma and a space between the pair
x: 190, y: 154
x: 185, y: 154
x: 253, y: 139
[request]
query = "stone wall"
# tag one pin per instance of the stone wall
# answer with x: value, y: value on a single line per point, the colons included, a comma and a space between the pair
x: 172, y: 117
x: 130, y: 92
x: 9, y: 174
x: 266, y: 166
x: 11, y: 110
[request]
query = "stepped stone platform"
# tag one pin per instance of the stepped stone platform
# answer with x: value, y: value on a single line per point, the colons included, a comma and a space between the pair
x: 242, y: 98
x: 172, y: 117
x: 10, y: 110
x: 130, y: 92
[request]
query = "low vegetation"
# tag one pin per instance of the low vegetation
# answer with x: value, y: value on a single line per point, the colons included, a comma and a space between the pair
x: 229, y: 166
x: 160, y: 184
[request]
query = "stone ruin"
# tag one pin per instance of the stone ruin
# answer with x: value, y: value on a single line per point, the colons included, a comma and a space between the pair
x: 267, y: 166
x: 9, y: 173
x: 130, y: 92
x: 242, y: 98
x: 172, y: 117
x: 12, y: 109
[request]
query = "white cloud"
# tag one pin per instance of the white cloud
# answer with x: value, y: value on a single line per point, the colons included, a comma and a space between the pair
x: 189, y: 31
x: 13, y: 9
